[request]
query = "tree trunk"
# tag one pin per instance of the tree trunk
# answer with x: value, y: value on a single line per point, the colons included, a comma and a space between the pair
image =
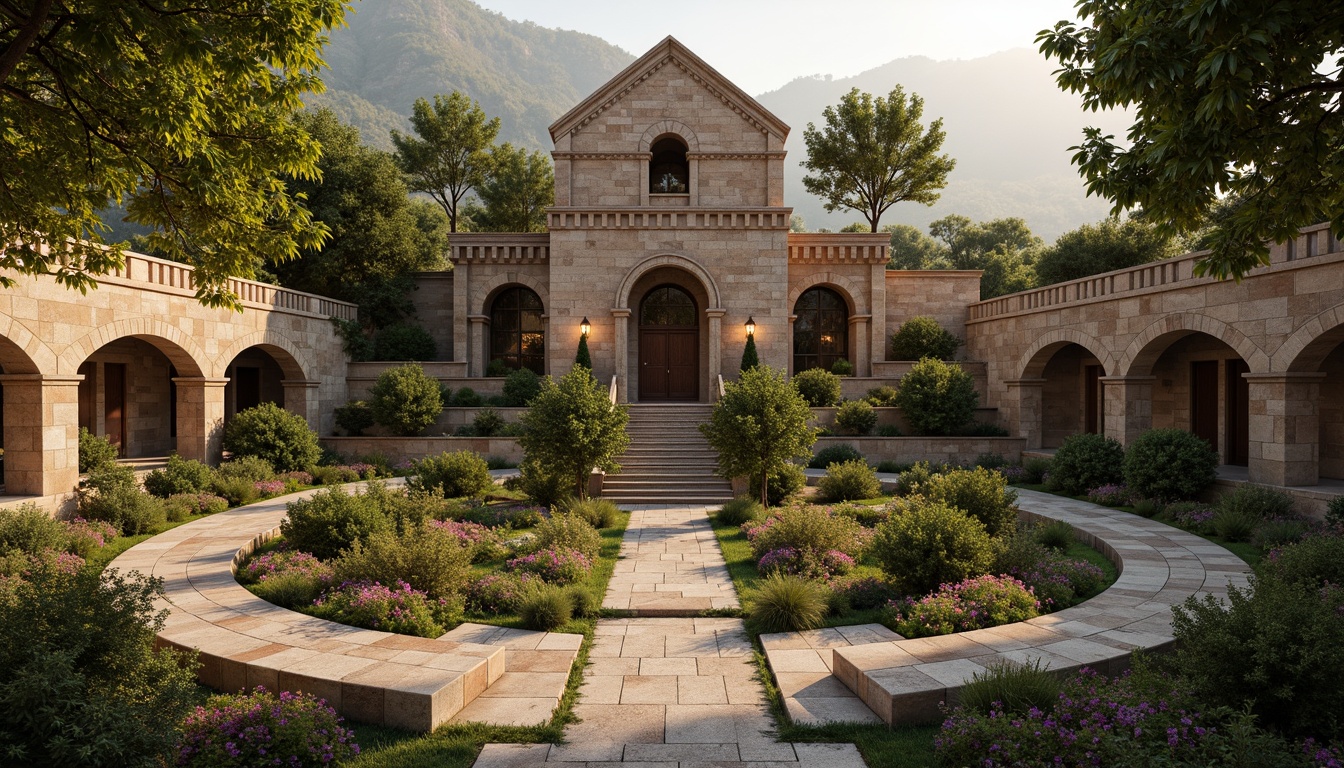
x: 765, y: 489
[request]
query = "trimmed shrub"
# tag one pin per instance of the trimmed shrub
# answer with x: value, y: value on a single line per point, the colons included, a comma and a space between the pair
x: 788, y: 604
x: 740, y: 510
x: 544, y: 487
x: 81, y: 682
x: 1012, y: 687
x: 553, y: 566
x: 1086, y: 461
x: 521, y: 386
x: 497, y: 369
x: 95, y: 451
x: 1258, y: 501
x: 881, y: 397
x: 402, y: 342
x: 179, y: 476
x: 130, y: 510
x: 980, y: 493
x: 805, y: 527
x: 1169, y: 465
x: 27, y: 528
x: 937, y: 398
x: 921, y: 337
x: 467, y: 397
x: 567, y: 532
x: 849, y: 480
x: 183, y: 505
x: 428, y: 558
x: 398, y: 608
x: 976, y: 603
x: 354, y: 417
x: 269, y: 432
x: 458, y: 474
x: 546, y: 608
x: 783, y: 484
x: 929, y: 543
x: 331, y: 521
x: 819, y: 387
x: 599, y: 513
x: 405, y: 400
x: 236, y: 491
x: 335, y: 475
x: 833, y: 454
x: 487, y: 423
x: 253, y: 469
x: 855, y: 417
x: 842, y: 367
x: 262, y: 728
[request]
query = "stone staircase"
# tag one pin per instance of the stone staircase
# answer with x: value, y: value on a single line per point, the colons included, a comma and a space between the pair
x: 668, y: 461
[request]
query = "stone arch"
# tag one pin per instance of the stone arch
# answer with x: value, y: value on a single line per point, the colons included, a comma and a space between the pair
x: 678, y: 261
x: 848, y: 288
x: 21, y: 351
x: 293, y: 361
x: 1032, y: 364
x: 491, y: 289
x: 1307, y: 347
x: 1146, y: 348
x: 665, y: 127
x: 180, y: 349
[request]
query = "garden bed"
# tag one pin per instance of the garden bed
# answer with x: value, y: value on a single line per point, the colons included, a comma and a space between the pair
x: 937, y: 450
x: 399, y: 449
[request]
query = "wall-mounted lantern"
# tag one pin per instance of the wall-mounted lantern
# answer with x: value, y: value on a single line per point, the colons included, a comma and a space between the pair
x: 751, y: 326
x: 585, y: 326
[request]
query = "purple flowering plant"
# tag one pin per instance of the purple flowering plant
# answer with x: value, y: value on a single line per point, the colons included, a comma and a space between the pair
x: 808, y: 563
x: 279, y: 562
x: 555, y: 566
x: 1110, y: 495
x: 270, y: 487
x: 261, y: 728
x: 400, y: 608
x: 976, y: 603
x: 1057, y: 580
x: 500, y: 593
x: 88, y: 535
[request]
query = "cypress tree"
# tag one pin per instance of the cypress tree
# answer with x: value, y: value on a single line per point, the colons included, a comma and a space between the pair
x: 583, y: 358
x: 749, y: 357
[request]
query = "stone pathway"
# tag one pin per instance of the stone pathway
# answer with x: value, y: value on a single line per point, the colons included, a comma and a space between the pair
x: 676, y: 692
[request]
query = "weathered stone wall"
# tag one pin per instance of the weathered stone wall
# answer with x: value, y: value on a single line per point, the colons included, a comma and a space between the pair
x: 433, y: 301
x: 941, y: 294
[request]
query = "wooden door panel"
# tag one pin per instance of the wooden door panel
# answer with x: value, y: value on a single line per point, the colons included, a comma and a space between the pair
x: 653, y: 365
x: 1238, y: 414
x: 114, y: 404
x: 1204, y: 401
x: 683, y: 365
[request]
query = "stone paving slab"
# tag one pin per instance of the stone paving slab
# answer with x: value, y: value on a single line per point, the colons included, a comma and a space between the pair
x: 801, y: 663
x: 904, y: 681
x: 670, y: 565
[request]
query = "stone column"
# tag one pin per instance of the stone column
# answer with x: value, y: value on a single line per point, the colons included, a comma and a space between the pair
x: 715, y: 316
x: 1128, y: 406
x: 200, y: 418
x: 620, y: 320
x: 1024, y: 410
x: 301, y: 398
x: 461, y: 308
x: 476, y: 356
x: 858, y: 331
x: 1285, y: 428
x: 41, y: 434
x: 878, y: 325
x: 788, y: 360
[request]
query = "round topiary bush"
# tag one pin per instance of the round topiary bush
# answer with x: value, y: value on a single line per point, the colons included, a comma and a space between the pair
x: 520, y: 387
x: 881, y: 397
x: 937, y: 398
x: 1167, y: 464
x: 179, y: 476
x: 981, y: 493
x: 832, y: 454
x: 269, y: 432
x: 462, y: 473
x: 842, y: 367
x: 928, y: 543
x: 405, y: 400
x: 402, y: 342
x: 855, y: 417
x: 1086, y: 461
x: 921, y: 337
x: 329, y: 522
x: 849, y: 480
x: 354, y: 417
x: 819, y: 387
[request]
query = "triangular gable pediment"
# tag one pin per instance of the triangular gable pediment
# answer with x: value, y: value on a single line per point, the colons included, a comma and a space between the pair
x: 669, y: 52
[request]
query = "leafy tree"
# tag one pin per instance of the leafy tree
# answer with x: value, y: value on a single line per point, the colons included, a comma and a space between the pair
x: 405, y: 400
x: 759, y: 425
x: 1095, y: 248
x: 1003, y: 248
x: 874, y: 153
x: 572, y: 426
x: 516, y: 192
x: 378, y: 234
x: 450, y: 156
x: 1239, y: 99
x: 796, y: 223
x: 179, y: 113
x: 912, y: 249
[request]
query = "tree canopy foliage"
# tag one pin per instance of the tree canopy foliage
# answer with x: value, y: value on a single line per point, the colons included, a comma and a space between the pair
x: 178, y: 112
x: 1242, y: 100
x: 517, y: 189
x: 1107, y: 245
x: 758, y: 426
x: 378, y: 233
x: 874, y: 153
x: 448, y: 156
x: 572, y: 426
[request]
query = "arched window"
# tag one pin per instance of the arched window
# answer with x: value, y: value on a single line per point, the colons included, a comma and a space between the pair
x: 669, y: 170
x: 517, y: 333
x: 668, y: 305
x: 821, y: 332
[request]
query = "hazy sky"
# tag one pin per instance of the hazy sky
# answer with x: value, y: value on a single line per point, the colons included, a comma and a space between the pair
x: 763, y: 44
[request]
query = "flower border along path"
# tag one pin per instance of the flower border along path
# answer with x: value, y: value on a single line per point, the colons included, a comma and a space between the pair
x: 677, y: 688
x: 369, y: 676
x: 904, y: 681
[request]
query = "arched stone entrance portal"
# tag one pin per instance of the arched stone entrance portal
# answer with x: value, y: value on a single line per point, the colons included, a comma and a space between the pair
x: 667, y: 314
x: 669, y: 345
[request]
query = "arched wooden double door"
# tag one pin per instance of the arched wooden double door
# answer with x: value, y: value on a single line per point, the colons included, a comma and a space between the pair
x: 669, y: 345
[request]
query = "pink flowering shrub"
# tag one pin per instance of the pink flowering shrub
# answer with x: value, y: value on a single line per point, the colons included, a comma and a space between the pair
x: 262, y: 728
x: 554, y: 566
x: 282, y: 562
x: 808, y: 563
x: 371, y: 605
x: 807, y: 540
x: 984, y: 601
x: 1057, y: 580
x: 298, y: 477
x: 270, y: 487
x: 88, y: 535
x: 501, y: 593
x: 483, y: 541
x: 1110, y: 495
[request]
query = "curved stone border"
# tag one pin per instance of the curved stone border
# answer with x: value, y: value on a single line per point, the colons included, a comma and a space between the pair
x: 904, y: 681
x: 243, y: 641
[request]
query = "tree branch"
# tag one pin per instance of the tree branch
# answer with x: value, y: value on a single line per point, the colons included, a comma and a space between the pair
x: 9, y: 60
